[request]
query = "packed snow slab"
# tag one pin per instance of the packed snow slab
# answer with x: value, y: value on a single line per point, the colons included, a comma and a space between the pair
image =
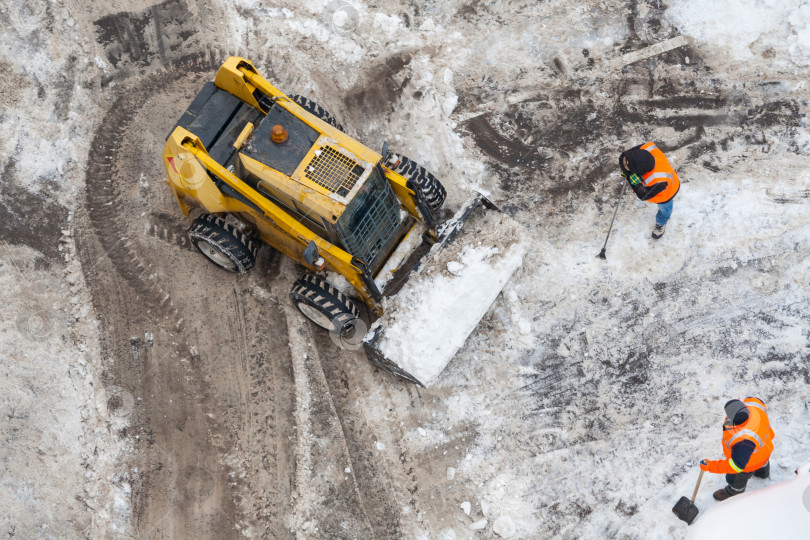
x: 782, y: 511
x: 431, y: 317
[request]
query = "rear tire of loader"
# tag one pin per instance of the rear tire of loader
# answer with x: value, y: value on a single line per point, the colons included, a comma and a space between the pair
x: 315, y: 109
x: 324, y: 305
x: 223, y: 244
x: 429, y: 185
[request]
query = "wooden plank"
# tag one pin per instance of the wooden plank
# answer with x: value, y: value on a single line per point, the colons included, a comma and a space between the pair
x: 652, y: 50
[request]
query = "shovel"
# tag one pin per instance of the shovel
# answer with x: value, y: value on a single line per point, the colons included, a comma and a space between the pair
x: 604, y: 247
x: 685, y: 509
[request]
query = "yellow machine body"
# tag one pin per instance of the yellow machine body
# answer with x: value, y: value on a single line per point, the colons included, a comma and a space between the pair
x: 198, y: 180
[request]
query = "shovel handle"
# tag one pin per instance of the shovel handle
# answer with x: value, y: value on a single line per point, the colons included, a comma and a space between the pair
x: 694, y: 493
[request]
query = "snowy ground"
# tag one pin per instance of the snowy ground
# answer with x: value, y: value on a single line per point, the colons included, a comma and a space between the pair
x: 580, y: 406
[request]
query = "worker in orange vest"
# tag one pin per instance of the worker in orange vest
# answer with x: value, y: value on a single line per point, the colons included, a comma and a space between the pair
x: 747, y: 444
x: 653, y: 180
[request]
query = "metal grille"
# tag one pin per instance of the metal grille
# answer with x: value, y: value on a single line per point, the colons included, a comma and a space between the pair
x: 375, y: 227
x: 334, y: 171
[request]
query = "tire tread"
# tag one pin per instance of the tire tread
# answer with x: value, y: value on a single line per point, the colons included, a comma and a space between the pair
x: 323, y: 296
x: 238, y: 246
x: 433, y: 190
x: 313, y: 108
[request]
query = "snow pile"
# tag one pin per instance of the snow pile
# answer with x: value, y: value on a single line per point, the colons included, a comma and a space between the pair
x: 451, y: 302
x: 429, y: 320
x: 782, y: 510
x: 748, y: 28
x: 426, y: 132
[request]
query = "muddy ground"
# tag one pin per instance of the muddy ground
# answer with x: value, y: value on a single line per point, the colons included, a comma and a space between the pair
x: 238, y: 418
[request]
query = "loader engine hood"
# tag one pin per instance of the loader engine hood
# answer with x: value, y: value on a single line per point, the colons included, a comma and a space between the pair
x: 307, y: 156
x: 334, y: 170
x: 286, y: 157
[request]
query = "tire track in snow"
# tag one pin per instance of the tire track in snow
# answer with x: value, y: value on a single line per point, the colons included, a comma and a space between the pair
x: 313, y: 399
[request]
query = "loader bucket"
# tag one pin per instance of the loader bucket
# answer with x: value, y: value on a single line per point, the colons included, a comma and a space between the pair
x: 429, y: 319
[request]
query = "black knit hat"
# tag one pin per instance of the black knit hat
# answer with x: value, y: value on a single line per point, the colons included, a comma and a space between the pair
x: 736, y: 411
x: 639, y: 161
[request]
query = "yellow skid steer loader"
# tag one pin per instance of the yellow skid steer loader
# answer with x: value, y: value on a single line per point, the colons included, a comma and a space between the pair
x: 256, y: 164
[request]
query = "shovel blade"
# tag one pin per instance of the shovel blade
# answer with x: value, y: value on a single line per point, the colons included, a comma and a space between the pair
x: 685, y: 510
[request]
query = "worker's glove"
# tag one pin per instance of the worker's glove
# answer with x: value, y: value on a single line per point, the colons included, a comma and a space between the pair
x: 714, y: 466
x: 634, y: 179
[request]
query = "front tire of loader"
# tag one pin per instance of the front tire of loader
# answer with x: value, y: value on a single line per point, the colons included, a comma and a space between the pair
x: 429, y: 185
x: 223, y: 244
x: 315, y: 109
x: 324, y: 305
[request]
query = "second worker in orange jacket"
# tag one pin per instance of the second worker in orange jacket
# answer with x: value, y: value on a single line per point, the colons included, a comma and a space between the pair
x: 747, y: 445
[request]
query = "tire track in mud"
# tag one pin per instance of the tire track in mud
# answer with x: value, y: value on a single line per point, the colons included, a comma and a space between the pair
x: 106, y: 212
x: 329, y: 498
x: 263, y: 404
x: 129, y: 296
x: 378, y: 482
x: 103, y: 201
x: 262, y: 451
x: 406, y: 486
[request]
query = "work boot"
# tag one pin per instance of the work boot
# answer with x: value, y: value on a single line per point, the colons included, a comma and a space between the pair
x: 725, y: 493
x: 763, y: 472
x: 658, y: 231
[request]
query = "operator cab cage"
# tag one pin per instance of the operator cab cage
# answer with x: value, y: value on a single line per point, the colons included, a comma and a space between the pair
x: 335, y: 193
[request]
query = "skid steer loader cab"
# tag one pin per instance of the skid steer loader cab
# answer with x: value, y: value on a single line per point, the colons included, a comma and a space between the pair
x: 316, y: 185
x: 372, y: 223
x: 255, y: 164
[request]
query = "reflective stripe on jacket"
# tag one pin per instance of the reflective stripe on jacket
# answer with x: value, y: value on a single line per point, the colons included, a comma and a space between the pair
x: 756, y: 429
x: 662, y: 172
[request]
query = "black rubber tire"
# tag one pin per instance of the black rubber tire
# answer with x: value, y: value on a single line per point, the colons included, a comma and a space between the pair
x: 236, y: 251
x: 333, y: 305
x: 431, y: 188
x: 315, y: 109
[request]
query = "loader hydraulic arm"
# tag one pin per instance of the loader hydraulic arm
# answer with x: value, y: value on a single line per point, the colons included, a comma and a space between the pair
x: 239, y: 77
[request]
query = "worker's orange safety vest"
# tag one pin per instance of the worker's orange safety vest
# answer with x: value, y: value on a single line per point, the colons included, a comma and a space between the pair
x: 757, y: 429
x: 662, y: 172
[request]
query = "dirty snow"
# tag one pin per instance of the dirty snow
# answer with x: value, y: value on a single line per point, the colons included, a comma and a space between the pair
x: 60, y: 456
x: 591, y: 389
x: 58, y: 470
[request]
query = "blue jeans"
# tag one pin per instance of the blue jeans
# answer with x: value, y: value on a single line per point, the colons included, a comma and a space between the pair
x: 664, y: 211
